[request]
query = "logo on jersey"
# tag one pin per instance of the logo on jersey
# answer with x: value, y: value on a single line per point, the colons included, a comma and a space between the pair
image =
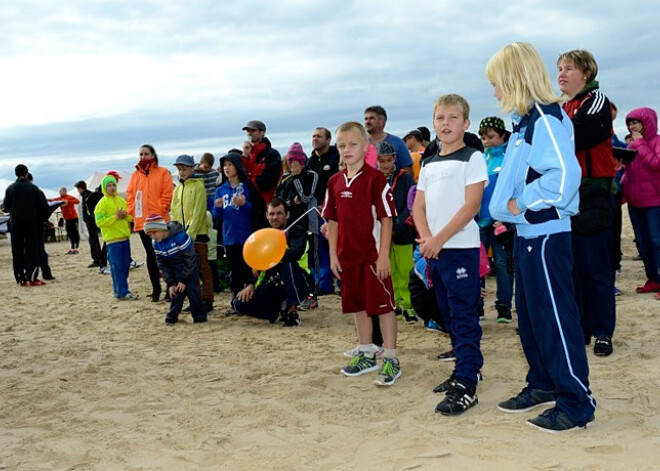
x: 346, y: 194
x: 461, y: 273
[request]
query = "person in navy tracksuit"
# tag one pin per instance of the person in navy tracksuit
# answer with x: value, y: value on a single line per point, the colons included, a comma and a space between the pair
x: 537, y: 190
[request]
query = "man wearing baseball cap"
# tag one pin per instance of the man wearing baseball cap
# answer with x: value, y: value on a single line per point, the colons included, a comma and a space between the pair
x: 263, y: 163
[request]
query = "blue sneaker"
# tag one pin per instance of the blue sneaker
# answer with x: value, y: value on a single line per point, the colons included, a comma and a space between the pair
x: 526, y: 400
x: 554, y: 421
x: 432, y: 326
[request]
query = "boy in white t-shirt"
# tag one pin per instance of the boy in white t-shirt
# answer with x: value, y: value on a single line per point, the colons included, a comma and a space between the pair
x: 450, y: 186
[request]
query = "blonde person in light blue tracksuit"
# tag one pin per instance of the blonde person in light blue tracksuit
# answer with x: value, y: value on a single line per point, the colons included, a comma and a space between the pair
x: 537, y: 190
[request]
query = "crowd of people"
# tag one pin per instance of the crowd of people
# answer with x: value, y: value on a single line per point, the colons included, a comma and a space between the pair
x: 403, y: 229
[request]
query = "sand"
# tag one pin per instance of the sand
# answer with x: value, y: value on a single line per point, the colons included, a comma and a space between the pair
x: 92, y: 383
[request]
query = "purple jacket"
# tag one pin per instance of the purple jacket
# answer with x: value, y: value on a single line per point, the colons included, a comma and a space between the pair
x: 641, y: 180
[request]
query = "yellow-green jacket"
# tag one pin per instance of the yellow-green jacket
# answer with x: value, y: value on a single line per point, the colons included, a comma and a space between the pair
x: 189, y: 207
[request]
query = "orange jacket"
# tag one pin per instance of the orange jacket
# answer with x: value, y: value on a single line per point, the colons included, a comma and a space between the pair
x: 68, y: 211
x: 148, y: 193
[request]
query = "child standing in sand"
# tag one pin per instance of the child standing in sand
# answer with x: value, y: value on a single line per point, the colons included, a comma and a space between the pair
x: 359, y: 208
x: 114, y: 221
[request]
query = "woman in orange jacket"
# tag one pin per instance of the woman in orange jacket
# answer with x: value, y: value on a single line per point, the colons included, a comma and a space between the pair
x: 149, y: 192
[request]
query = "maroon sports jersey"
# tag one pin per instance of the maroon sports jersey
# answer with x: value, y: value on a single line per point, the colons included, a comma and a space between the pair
x: 358, y: 204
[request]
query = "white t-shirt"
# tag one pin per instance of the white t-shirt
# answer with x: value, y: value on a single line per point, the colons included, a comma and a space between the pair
x: 443, y: 180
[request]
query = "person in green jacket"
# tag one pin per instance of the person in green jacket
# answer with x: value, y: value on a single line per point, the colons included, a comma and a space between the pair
x: 189, y: 209
x: 113, y: 219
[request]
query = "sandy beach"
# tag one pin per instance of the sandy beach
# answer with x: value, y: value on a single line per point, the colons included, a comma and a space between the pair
x: 93, y: 383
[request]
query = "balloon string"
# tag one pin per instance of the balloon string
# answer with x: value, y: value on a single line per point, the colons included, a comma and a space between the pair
x: 313, y: 208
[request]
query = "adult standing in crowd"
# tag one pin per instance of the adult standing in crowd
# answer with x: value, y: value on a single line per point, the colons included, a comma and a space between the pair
x: 263, y: 163
x: 324, y: 160
x: 70, y: 216
x: 92, y: 229
x: 149, y: 191
x: 589, y: 110
x: 375, y: 118
x: 26, y: 207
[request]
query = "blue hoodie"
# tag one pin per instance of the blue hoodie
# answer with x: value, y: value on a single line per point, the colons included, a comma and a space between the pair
x: 541, y: 172
x: 494, y: 157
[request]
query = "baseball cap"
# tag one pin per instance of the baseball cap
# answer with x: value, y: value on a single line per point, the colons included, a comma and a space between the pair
x: 185, y: 160
x: 255, y: 124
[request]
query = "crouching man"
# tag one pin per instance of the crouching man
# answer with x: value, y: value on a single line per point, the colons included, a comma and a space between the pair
x: 278, y: 291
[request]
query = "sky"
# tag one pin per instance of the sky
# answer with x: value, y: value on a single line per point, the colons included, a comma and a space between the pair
x: 85, y: 83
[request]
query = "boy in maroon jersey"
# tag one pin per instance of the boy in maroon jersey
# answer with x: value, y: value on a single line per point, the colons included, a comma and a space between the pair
x: 359, y: 208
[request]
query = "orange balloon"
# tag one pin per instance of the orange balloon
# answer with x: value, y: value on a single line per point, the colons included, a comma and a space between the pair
x: 264, y: 248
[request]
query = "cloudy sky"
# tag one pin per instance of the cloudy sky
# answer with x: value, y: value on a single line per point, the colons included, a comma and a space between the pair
x: 85, y: 83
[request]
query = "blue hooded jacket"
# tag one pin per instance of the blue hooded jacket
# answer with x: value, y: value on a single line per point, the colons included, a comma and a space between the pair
x: 540, y: 170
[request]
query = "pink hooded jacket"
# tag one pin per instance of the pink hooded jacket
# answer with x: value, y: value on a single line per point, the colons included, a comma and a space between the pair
x: 641, y: 180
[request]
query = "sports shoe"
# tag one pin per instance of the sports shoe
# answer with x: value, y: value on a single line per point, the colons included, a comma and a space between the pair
x: 526, y: 400
x: 398, y: 312
x: 503, y: 314
x: 409, y: 316
x: 37, y: 283
x: 553, y: 421
x: 360, y: 364
x: 444, y: 386
x: 458, y: 399
x: 617, y: 291
x: 389, y: 372
x: 128, y: 297
x: 136, y: 264
x: 23, y: 283
x: 309, y: 303
x: 93, y: 265
x: 170, y: 322
x: 447, y: 356
x: 375, y: 349
x: 432, y: 326
x: 291, y: 319
x: 648, y: 287
x: 603, y: 346
x: 104, y: 271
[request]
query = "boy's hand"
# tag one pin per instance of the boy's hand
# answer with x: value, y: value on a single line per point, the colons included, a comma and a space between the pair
x: 513, y: 208
x: 218, y: 203
x: 335, y: 267
x: 430, y: 247
x: 121, y: 214
x: 383, y: 267
x: 324, y: 230
x: 246, y: 293
x: 238, y: 200
x: 177, y: 288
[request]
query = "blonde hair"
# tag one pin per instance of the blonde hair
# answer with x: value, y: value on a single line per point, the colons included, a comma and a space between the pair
x: 452, y: 99
x: 583, y: 60
x: 518, y: 70
x: 353, y: 126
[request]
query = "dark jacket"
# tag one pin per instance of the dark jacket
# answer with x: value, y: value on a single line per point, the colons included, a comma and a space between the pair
x: 298, y: 193
x: 325, y: 166
x: 401, y: 182
x: 176, y: 256
x: 265, y: 170
x: 84, y: 207
x: 25, y: 204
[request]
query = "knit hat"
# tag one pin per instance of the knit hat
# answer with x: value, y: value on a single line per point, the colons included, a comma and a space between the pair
x: 296, y: 153
x: 493, y: 122
x: 114, y: 174
x: 155, y: 222
x: 107, y: 179
x: 385, y: 148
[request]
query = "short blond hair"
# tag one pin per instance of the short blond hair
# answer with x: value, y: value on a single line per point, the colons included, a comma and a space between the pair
x: 451, y: 99
x: 518, y: 70
x: 583, y: 60
x: 353, y: 126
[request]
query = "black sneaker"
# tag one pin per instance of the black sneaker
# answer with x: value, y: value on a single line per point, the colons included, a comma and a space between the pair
x: 409, y: 316
x: 398, y: 312
x: 360, y: 364
x: 208, y: 306
x: 503, y: 314
x: 170, y: 322
x: 291, y: 319
x: 526, y: 400
x: 603, y: 346
x: 232, y: 312
x: 458, y: 399
x: 447, y: 356
x: 554, y: 421
x: 444, y: 386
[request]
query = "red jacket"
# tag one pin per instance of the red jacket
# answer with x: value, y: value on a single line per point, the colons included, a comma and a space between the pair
x: 592, y: 121
x: 69, y: 210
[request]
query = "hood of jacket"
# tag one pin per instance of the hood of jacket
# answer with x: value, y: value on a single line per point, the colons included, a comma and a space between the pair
x: 236, y: 159
x: 104, y: 184
x: 649, y: 119
x: 174, y: 228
